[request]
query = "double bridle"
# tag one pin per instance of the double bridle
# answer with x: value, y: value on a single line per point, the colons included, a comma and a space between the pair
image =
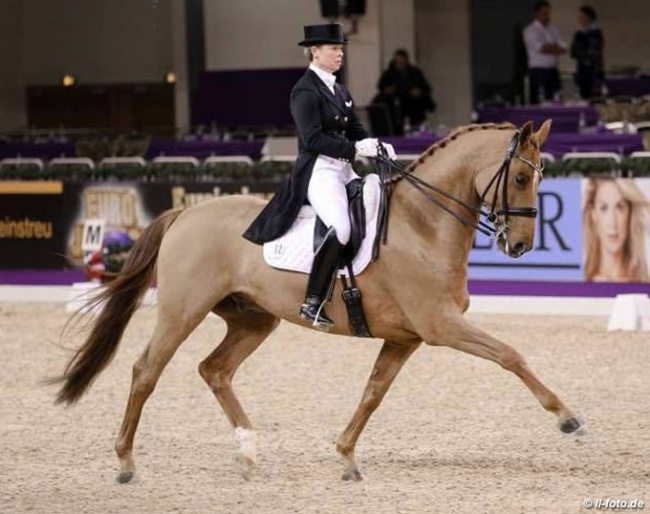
x: 497, y: 222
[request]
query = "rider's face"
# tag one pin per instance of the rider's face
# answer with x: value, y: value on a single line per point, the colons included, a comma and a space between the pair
x: 328, y: 57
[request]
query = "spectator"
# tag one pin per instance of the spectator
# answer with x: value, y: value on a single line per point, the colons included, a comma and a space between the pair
x: 587, y: 50
x: 407, y: 84
x: 544, y: 46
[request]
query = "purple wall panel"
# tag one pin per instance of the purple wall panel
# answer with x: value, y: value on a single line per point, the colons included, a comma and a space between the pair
x: 476, y: 287
x: 253, y: 98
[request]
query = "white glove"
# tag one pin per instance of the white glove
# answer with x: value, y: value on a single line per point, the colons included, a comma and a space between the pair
x: 390, y: 151
x: 367, y: 147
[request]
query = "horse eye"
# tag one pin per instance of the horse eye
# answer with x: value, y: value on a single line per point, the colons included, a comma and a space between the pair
x: 521, y: 180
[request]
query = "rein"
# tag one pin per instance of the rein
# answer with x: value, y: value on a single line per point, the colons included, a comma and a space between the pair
x: 492, y: 226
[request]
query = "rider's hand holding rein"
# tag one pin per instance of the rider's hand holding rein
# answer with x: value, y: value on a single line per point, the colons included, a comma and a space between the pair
x: 390, y: 151
x: 369, y: 147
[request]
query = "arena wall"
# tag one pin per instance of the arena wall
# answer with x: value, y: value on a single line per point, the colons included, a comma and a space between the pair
x: 443, y: 49
x: 129, y: 41
x: 230, y: 45
x: 12, y: 104
x: 97, y: 41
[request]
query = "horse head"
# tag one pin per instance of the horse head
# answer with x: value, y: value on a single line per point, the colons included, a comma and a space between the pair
x: 511, y: 193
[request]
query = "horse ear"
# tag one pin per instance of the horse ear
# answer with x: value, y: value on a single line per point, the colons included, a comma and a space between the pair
x: 542, y: 134
x: 525, y: 133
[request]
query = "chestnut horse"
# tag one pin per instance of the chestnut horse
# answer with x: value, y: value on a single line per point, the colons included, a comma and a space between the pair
x: 415, y: 291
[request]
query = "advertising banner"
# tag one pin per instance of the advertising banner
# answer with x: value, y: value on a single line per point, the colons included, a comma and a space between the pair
x: 33, y: 221
x: 557, y: 254
x: 586, y: 229
x: 42, y: 223
x: 121, y: 206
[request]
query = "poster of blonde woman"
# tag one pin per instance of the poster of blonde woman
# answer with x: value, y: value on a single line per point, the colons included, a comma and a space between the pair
x: 616, y: 229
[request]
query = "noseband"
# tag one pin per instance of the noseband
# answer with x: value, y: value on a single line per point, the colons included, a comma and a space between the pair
x: 496, y: 221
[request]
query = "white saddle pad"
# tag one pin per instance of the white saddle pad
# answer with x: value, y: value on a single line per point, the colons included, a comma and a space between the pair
x: 294, y: 251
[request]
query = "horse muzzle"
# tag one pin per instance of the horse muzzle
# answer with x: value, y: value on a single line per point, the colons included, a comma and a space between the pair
x: 512, y: 249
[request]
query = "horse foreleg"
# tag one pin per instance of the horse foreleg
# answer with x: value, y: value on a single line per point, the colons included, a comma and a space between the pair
x: 462, y: 336
x: 245, y: 334
x: 391, y: 358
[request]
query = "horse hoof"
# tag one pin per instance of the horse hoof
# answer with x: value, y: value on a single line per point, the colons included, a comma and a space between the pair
x: 246, y: 466
x: 125, y: 477
x: 570, y: 425
x: 353, y: 475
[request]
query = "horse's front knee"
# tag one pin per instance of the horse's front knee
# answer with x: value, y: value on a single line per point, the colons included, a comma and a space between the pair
x: 512, y: 361
x: 218, y: 382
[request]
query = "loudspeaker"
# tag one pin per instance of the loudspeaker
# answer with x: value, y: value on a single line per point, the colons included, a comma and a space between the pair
x: 355, y: 7
x: 332, y: 8
x: 329, y: 8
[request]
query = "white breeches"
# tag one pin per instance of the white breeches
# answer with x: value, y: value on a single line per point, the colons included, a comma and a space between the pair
x: 326, y: 194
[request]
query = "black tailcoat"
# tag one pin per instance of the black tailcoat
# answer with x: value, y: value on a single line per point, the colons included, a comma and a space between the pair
x: 327, y: 124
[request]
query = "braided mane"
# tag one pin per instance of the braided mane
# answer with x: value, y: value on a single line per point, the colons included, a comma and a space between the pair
x: 455, y: 135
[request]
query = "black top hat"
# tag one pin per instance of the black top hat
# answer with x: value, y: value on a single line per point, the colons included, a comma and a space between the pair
x: 330, y: 33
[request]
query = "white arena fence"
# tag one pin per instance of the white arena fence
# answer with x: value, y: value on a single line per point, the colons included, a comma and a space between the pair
x: 480, y: 304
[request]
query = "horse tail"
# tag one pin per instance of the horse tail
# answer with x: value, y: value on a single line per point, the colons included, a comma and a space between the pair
x: 120, y: 298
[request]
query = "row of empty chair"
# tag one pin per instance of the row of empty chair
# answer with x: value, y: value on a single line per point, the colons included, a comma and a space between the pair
x: 190, y: 161
x: 244, y: 159
x: 218, y: 165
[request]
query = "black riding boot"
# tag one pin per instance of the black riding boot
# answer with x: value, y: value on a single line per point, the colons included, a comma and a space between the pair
x: 323, y: 269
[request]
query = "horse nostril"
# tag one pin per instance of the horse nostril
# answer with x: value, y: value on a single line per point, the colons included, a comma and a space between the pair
x: 521, y: 248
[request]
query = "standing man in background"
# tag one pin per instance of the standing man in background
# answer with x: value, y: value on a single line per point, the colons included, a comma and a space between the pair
x: 544, y: 46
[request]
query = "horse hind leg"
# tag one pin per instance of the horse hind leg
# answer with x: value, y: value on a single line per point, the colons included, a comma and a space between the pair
x: 247, y: 329
x: 466, y: 338
x: 167, y: 337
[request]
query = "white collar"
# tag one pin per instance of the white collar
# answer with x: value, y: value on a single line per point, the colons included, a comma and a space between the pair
x: 325, y: 76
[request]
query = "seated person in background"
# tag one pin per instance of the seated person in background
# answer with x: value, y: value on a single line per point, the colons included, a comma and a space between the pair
x: 587, y: 50
x: 544, y: 46
x: 385, y: 115
x: 406, y: 83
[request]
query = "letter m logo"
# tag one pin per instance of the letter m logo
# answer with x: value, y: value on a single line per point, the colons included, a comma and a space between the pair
x: 93, y: 234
